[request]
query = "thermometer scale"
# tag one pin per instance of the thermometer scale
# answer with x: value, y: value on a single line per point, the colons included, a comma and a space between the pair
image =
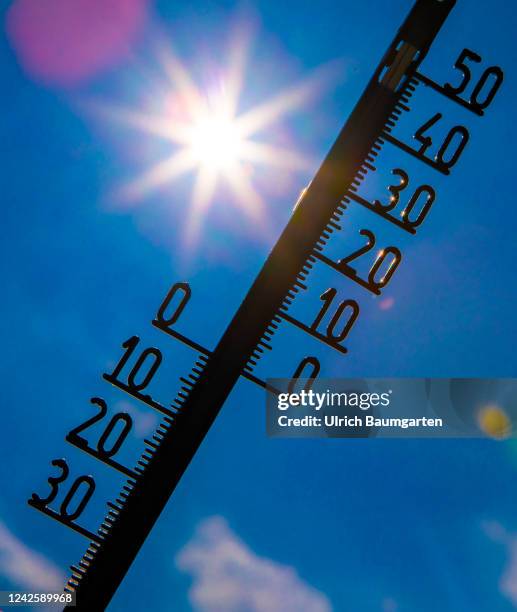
x: 301, y: 246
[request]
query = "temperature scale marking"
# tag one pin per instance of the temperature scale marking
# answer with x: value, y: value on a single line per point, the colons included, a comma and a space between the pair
x: 317, y: 214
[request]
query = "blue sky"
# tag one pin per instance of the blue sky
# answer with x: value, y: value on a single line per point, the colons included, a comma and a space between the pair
x: 375, y: 525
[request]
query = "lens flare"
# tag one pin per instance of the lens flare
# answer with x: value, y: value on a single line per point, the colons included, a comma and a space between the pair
x: 494, y: 422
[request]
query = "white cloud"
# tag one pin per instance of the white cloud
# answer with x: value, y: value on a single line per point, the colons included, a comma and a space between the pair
x: 145, y: 422
x: 508, y: 580
x: 25, y: 567
x: 229, y: 577
x: 389, y: 605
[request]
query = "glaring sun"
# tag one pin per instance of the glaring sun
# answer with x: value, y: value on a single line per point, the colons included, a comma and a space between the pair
x: 215, y: 142
x: 210, y: 138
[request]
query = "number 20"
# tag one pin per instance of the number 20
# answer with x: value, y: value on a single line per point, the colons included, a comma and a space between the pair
x: 122, y: 417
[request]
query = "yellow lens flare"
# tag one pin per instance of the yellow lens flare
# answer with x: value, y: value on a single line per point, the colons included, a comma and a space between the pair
x: 209, y: 138
x: 494, y: 422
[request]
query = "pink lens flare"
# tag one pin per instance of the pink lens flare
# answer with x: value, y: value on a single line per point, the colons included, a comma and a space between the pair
x: 67, y: 42
x: 386, y: 303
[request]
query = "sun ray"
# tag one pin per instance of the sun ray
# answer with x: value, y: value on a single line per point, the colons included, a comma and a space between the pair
x: 250, y: 201
x: 157, y: 125
x: 180, y: 79
x: 238, y: 56
x: 202, y: 194
x: 266, y: 113
x: 280, y: 157
x: 158, y: 175
x: 243, y: 189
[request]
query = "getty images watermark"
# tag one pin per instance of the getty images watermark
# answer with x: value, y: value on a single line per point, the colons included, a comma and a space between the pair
x: 409, y: 407
x: 361, y: 401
